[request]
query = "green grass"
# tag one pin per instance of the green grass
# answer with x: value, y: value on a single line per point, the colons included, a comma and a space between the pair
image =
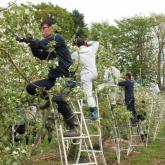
x: 154, y: 155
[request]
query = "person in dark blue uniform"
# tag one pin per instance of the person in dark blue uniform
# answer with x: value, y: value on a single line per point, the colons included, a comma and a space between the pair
x: 128, y: 85
x: 41, y: 49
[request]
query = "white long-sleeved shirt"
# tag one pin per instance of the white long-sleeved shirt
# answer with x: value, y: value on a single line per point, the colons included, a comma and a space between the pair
x: 87, y: 57
x: 112, y: 75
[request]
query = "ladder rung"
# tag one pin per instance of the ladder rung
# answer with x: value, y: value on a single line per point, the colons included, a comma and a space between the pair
x: 77, y: 113
x: 136, y: 145
x: 98, y: 151
x: 76, y: 137
x: 84, y: 163
x: 94, y: 135
x: 89, y: 120
x: 80, y: 137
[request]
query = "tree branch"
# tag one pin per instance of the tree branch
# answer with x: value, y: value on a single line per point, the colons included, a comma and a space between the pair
x: 3, y: 9
x: 15, y: 66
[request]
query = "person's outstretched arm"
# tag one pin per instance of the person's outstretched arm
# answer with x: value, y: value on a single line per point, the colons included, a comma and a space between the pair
x: 38, y: 47
x: 122, y: 83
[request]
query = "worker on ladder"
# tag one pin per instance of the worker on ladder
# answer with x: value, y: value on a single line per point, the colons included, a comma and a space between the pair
x: 86, y: 55
x: 52, y: 46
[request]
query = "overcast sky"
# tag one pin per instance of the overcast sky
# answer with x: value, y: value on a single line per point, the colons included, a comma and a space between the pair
x: 105, y: 10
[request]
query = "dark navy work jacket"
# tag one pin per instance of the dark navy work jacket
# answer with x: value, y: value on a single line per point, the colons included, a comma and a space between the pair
x: 128, y: 88
x: 40, y: 49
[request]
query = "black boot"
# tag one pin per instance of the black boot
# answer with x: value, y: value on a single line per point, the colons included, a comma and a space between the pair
x: 68, y: 116
x: 73, y: 130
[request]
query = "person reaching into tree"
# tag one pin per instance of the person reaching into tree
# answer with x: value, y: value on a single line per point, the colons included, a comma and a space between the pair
x: 128, y: 85
x: 41, y: 49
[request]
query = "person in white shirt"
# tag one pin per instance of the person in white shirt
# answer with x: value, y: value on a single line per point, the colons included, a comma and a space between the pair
x: 111, y: 78
x: 86, y: 55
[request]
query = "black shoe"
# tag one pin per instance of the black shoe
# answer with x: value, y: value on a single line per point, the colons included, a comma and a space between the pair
x: 44, y: 106
x: 71, y: 133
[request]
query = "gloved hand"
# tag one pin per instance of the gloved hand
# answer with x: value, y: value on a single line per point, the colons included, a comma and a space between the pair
x: 20, y: 38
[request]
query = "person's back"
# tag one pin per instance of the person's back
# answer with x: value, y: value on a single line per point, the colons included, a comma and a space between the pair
x: 86, y: 55
x: 89, y: 64
x: 128, y: 85
x: 129, y: 90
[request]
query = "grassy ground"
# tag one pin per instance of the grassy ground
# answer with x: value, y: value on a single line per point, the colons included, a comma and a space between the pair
x: 154, y: 155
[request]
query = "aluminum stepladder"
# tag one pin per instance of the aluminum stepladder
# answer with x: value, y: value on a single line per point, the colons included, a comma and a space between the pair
x: 152, y: 124
x: 156, y: 117
x: 98, y: 135
x: 153, y: 120
x: 135, y: 137
x: 116, y: 134
x: 82, y: 142
x: 160, y: 119
x: 121, y: 144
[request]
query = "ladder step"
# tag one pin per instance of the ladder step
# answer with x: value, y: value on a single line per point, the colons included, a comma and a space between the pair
x: 136, y: 145
x: 94, y: 135
x: 80, y: 137
x: 76, y: 137
x: 84, y: 163
x: 89, y: 120
x: 97, y: 151
x: 77, y: 113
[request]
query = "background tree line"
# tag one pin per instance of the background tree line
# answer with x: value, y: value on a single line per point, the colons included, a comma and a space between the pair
x: 134, y: 44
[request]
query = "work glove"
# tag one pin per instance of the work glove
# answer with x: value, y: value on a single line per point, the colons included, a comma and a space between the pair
x: 20, y: 38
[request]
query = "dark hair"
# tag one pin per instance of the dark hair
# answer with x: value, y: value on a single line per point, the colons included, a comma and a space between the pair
x: 128, y: 74
x: 79, y: 42
x: 49, y: 21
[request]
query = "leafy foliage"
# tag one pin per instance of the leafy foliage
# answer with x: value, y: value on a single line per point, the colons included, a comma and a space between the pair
x: 131, y: 45
x: 63, y: 18
x: 80, y: 29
